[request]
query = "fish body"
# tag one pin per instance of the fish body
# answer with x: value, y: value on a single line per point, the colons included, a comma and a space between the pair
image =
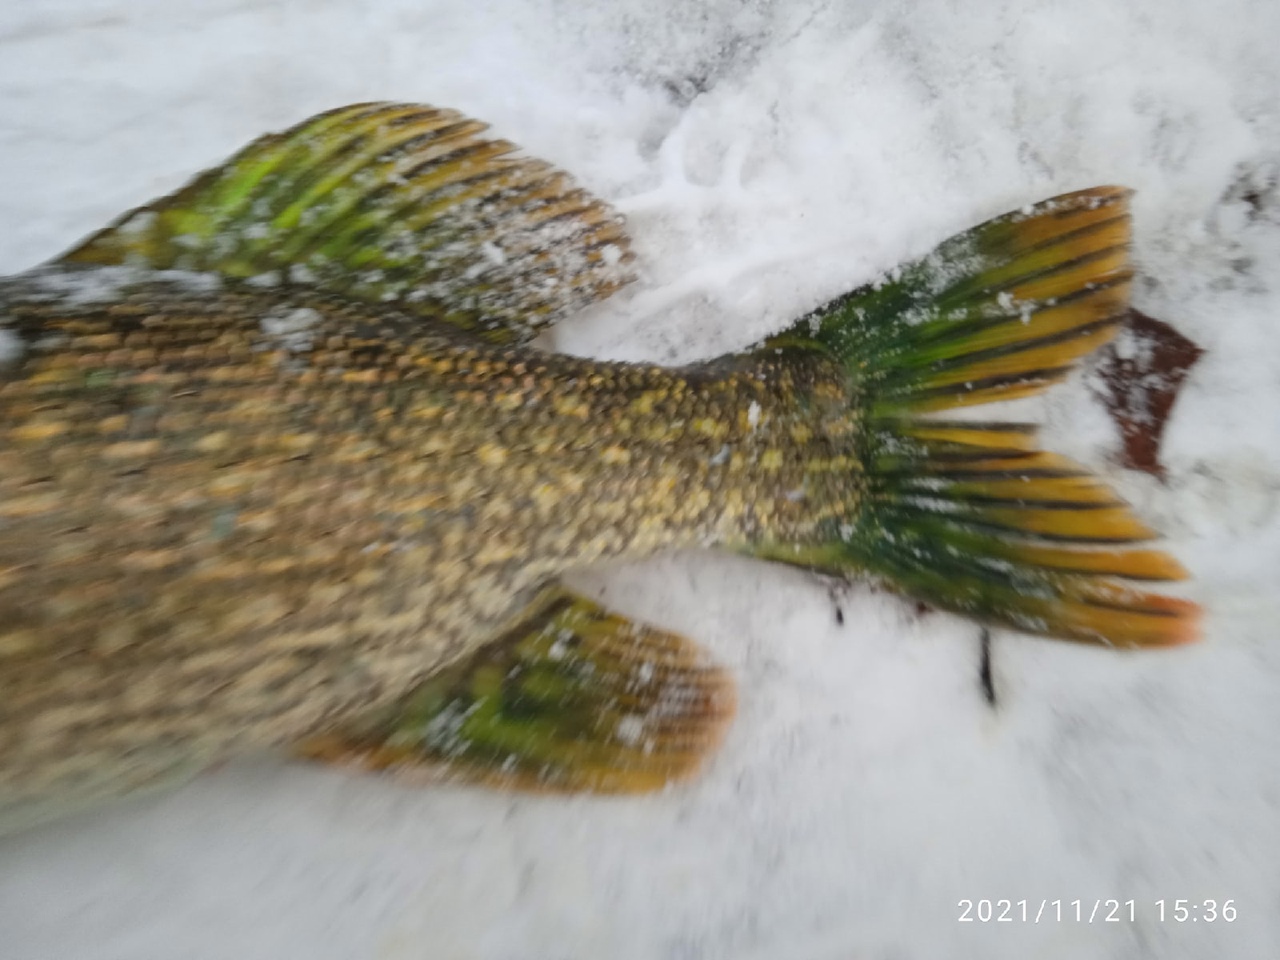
x: 335, y: 523
x: 240, y: 515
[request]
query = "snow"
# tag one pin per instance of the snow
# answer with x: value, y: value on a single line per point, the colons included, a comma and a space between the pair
x: 768, y: 156
x: 11, y: 347
x: 290, y: 328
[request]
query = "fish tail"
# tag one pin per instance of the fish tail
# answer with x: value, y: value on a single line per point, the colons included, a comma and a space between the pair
x: 972, y: 516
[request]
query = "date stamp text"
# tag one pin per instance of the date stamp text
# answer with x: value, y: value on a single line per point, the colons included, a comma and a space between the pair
x: 1095, y: 911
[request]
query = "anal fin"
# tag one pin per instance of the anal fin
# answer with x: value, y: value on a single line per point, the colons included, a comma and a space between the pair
x: 572, y: 698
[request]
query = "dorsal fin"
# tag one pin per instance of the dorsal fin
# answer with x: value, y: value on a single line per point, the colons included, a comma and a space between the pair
x: 389, y: 203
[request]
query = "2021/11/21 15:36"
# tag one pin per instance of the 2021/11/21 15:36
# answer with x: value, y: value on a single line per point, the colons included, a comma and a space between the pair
x: 1100, y: 911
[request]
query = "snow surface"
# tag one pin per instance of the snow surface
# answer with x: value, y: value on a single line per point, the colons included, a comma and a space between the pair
x: 769, y: 155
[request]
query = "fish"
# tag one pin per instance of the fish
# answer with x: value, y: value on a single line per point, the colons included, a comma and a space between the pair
x: 284, y: 468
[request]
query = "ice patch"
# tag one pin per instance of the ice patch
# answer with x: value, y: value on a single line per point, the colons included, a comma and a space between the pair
x: 12, y: 347
x: 301, y: 273
x: 493, y: 253
x: 138, y: 224
x: 630, y: 729
x: 76, y: 286
x: 291, y: 328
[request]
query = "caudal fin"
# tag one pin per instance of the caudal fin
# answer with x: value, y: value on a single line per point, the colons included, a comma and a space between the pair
x: 972, y: 516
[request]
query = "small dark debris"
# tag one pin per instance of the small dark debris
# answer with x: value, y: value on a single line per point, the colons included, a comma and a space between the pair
x: 835, y: 591
x: 684, y: 90
x: 984, y: 669
x: 1257, y: 186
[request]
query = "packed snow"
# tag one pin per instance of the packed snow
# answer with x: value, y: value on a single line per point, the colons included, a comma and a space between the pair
x: 768, y: 156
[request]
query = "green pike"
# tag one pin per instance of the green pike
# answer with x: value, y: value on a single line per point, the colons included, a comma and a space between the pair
x: 280, y: 469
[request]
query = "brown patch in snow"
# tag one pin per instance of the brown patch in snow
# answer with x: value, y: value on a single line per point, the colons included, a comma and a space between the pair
x: 1138, y: 378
